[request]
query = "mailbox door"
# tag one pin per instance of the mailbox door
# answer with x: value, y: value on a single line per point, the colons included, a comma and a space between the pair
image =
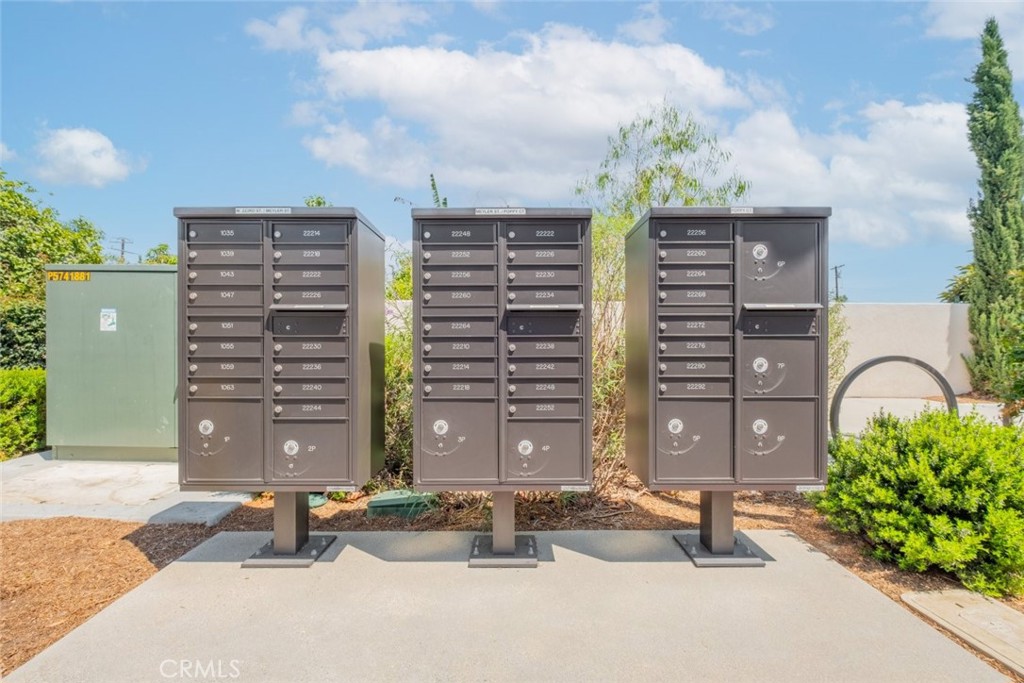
x: 693, y: 440
x: 224, y: 442
x: 458, y: 441
x: 543, y: 450
x: 778, y: 440
x: 310, y: 451
x: 779, y: 262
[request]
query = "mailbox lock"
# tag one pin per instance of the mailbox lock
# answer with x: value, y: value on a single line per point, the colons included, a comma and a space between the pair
x: 760, y: 364
x: 278, y: 296
x: 193, y: 327
x: 193, y: 347
x: 427, y: 369
x: 511, y: 388
x: 193, y: 275
x: 426, y: 256
x: 511, y: 256
x: 663, y: 234
x: 291, y: 447
x: 428, y: 296
x: 193, y: 389
x: 277, y: 234
x: 512, y: 409
x: 663, y: 326
x: 277, y: 255
x: 278, y: 410
x: 427, y: 348
x: 663, y: 296
x: 426, y: 235
x: 662, y: 388
x: 278, y: 388
x: 427, y: 327
x: 278, y: 348
x: 511, y: 296
x: 193, y: 254
x: 675, y: 426
x: 206, y: 427
x: 760, y: 427
x: 193, y: 367
x: 511, y: 276
x: 426, y: 276
x: 427, y: 389
x: 663, y: 346
x: 663, y: 367
x: 663, y: 255
x: 759, y: 251
x: 191, y: 233
x: 511, y: 348
x: 511, y: 235
x: 192, y: 296
x: 662, y: 275
x: 278, y: 276
x: 278, y: 368
x: 511, y: 369
x: 525, y: 447
x: 440, y: 427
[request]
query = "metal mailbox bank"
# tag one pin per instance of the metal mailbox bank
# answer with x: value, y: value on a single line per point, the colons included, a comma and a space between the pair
x: 281, y: 358
x: 502, y: 359
x: 726, y: 359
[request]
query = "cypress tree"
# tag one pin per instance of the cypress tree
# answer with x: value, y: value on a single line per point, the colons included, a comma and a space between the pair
x: 996, y: 134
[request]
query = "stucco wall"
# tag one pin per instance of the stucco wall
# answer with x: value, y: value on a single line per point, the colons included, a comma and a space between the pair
x: 934, y: 333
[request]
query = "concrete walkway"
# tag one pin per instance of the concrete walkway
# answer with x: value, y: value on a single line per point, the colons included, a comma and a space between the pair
x: 39, y: 487
x: 602, y: 606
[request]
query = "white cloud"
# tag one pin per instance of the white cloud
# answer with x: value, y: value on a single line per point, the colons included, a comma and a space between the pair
x: 529, y: 122
x: 7, y: 154
x: 909, y: 176
x: 81, y: 156
x: 744, y: 20
x: 753, y: 54
x: 647, y: 25
x: 965, y: 21
x: 491, y: 8
x: 386, y: 151
x: 364, y: 23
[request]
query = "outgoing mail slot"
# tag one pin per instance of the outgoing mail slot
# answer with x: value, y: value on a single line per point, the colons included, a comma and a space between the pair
x: 310, y: 387
x: 225, y: 296
x: 694, y: 326
x: 543, y: 325
x: 312, y: 232
x: 521, y: 233
x: 695, y: 386
x: 462, y: 348
x: 543, y: 297
x: 532, y: 346
x: 226, y: 368
x: 224, y: 232
x: 541, y: 367
x: 694, y: 253
x: 449, y: 256
x: 535, y: 388
x: 444, y: 297
x: 318, y: 348
x: 233, y: 253
x: 545, y: 275
x: 310, y: 451
x: 310, y: 296
x: 469, y: 388
x: 695, y: 367
x: 699, y: 274
x: 309, y: 324
x: 229, y: 275
x: 329, y: 409
x: 543, y: 255
x: 697, y: 346
x: 697, y: 231
x: 459, y: 368
x: 481, y: 233
x: 310, y: 255
x: 458, y: 327
x: 695, y: 296
x: 233, y: 387
x: 456, y: 275
x: 312, y: 276
x: 544, y: 449
x: 780, y: 323
x: 311, y: 368
x: 556, y: 407
x: 234, y: 348
x: 200, y: 326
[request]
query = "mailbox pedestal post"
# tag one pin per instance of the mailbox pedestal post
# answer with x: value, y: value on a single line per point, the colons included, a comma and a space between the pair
x: 292, y: 546
x: 503, y: 548
x: 716, y: 545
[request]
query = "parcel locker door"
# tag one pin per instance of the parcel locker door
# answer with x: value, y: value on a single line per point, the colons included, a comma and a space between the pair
x: 458, y: 441
x: 310, y: 451
x: 778, y: 440
x: 225, y: 442
x: 543, y: 450
x: 779, y: 263
x: 779, y: 367
x: 693, y: 440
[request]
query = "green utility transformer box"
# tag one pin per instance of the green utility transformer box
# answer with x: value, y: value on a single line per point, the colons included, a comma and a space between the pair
x: 110, y: 362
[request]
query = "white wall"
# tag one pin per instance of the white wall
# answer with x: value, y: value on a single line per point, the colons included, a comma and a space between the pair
x: 934, y: 333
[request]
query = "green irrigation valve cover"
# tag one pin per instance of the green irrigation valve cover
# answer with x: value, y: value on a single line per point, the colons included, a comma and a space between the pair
x: 400, y: 503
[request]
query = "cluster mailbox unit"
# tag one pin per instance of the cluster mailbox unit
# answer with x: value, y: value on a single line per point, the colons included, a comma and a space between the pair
x: 726, y: 359
x: 502, y: 359
x: 281, y: 323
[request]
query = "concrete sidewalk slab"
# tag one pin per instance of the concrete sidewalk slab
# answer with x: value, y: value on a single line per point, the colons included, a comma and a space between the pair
x: 602, y: 606
x: 38, y: 487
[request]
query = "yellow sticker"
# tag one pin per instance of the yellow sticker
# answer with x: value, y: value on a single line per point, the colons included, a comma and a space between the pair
x: 69, y: 276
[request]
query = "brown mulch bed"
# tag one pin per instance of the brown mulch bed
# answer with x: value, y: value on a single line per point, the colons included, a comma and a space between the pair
x: 56, y: 573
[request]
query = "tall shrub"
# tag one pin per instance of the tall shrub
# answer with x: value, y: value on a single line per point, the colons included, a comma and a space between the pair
x: 22, y: 411
x: 22, y: 333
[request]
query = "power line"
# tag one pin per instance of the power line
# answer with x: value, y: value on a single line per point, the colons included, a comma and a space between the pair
x: 835, y: 269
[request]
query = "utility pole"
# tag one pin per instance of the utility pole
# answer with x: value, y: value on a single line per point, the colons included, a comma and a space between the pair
x: 123, y: 241
x: 835, y: 269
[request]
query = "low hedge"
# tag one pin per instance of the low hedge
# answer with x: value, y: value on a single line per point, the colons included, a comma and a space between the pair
x: 938, y: 491
x: 22, y: 411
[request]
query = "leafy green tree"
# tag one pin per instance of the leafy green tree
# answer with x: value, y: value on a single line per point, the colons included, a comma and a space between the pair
x: 315, y: 200
x: 996, y: 134
x: 160, y: 255
x: 439, y: 201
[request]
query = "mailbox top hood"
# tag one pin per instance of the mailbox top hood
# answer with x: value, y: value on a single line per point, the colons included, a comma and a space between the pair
x: 502, y: 212
x: 733, y: 212
x: 271, y: 212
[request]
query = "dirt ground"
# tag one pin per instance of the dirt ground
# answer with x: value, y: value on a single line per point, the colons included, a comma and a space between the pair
x: 57, y: 573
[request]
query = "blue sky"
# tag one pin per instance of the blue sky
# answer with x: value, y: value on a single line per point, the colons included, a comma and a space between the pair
x: 121, y: 111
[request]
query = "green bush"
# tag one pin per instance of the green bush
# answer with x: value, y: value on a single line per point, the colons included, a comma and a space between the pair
x: 22, y: 334
x: 22, y: 411
x: 398, y: 395
x: 937, y: 491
